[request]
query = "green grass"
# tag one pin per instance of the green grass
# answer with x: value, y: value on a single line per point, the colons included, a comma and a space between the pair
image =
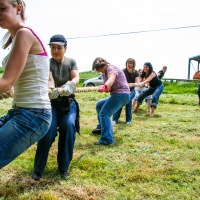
x: 180, y: 87
x: 153, y: 158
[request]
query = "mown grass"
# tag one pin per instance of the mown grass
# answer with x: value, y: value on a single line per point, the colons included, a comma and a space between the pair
x: 153, y: 158
x: 180, y: 87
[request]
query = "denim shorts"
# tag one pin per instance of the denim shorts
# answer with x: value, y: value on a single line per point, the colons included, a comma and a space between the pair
x: 21, y: 128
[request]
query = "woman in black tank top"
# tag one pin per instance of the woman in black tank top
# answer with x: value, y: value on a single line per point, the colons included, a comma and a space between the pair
x: 155, y: 87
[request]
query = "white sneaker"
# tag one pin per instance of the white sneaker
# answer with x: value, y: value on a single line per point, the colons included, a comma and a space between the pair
x: 128, y: 123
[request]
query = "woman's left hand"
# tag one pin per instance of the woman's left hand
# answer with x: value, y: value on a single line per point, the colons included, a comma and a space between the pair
x: 103, y: 88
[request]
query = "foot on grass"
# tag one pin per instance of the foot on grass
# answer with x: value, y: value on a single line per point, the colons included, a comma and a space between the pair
x: 151, y: 114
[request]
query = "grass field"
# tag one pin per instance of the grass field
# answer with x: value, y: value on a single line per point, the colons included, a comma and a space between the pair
x: 153, y: 158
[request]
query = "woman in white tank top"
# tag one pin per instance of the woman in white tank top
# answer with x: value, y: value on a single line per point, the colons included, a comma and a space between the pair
x: 27, y: 70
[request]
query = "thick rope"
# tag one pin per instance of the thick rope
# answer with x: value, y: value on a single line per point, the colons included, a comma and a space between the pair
x: 81, y: 89
x: 78, y: 90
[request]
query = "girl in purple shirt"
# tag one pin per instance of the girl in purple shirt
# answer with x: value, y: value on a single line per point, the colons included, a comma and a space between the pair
x: 115, y: 83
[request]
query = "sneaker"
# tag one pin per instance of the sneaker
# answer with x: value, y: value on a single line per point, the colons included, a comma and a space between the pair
x: 113, y: 122
x: 64, y: 175
x: 128, y: 123
x: 102, y: 144
x: 96, y: 131
x: 36, y: 176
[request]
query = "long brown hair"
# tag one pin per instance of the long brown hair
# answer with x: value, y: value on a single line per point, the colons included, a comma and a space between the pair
x: 132, y: 61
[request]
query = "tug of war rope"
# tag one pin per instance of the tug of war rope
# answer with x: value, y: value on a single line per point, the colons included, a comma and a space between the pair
x: 10, y: 93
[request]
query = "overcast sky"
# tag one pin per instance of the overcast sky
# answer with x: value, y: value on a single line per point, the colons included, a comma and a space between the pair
x: 84, y: 22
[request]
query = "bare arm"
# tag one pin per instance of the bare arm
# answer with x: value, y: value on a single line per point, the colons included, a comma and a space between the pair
x: 137, y: 80
x: 75, y: 76
x: 24, y: 43
x: 151, y: 76
x: 16, y: 61
x: 51, y: 81
x: 69, y: 87
x: 111, y: 80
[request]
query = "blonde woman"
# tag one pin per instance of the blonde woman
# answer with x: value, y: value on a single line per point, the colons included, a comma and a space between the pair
x: 27, y: 69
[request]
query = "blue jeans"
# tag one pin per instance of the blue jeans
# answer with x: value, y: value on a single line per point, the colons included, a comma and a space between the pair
x: 21, y: 128
x: 105, y: 109
x: 155, y: 92
x: 128, y: 112
x: 65, y: 125
x: 137, y: 93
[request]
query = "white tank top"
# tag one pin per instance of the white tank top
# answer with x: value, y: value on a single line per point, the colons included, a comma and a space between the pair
x: 31, y: 89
